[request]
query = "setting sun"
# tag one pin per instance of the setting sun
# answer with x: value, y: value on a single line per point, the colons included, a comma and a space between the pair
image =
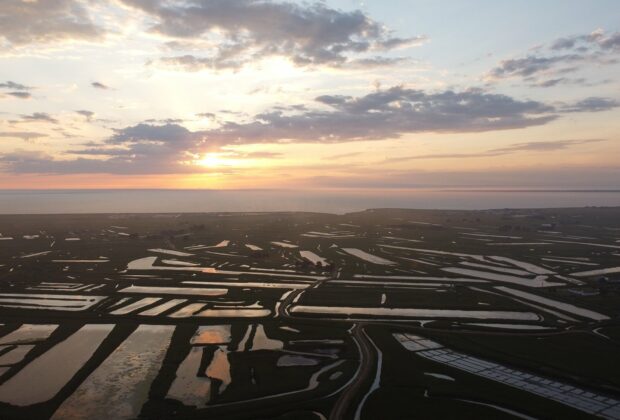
x: 214, y: 160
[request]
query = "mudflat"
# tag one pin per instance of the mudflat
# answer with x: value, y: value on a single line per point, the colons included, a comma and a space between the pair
x: 384, y: 313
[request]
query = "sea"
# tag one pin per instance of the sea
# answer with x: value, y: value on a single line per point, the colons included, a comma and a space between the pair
x: 324, y: 201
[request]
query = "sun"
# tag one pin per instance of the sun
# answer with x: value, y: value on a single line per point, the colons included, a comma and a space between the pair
x: 212, y: 160
x: 225, y: 159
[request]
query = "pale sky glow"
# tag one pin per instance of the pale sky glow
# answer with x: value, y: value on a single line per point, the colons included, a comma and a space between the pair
x: 286, y: 94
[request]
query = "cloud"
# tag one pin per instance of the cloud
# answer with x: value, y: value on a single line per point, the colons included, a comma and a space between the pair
x: 396, y: 43
x: 593, y: 104
x: 542, y: 146
x: 98, y: 85
x: 386, y: 114
x: 611, y: 42
x: 559, y: 81
x: 37, y: 117
x: 532, y: 65
x: 564, y: 55
x: 375, y: 62
x: 41, y: 163
x: 139, y: 149
x: 594, y: 40
x: 165, y: 120
x: 24, y: 135
x: 26, y: 162
x: 20, y: 95
x: 42, y: 22
x: 380, y: 115
x: 579, y: 81
x: 86, y: 114
x: 235, y: 32
x: 173, y: 134
x: 14, y: 86
x: 17, y: 90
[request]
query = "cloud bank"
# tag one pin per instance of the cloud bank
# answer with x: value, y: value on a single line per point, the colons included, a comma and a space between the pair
x: 45, y: 21
x: 549, y: 65
x: 380, y: 115
x: 232, y: 33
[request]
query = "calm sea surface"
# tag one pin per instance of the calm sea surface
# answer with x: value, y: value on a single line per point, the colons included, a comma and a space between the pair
x: 161, y: 201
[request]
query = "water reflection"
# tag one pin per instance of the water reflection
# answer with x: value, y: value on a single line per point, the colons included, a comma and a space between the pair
x: 188, y: 387
x: 120, y: 385
x: 212, y: 334
x: 220, y: 368
x: 45, y: 376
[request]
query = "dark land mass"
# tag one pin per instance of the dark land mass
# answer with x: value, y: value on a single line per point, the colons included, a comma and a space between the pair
x: 381, y: 314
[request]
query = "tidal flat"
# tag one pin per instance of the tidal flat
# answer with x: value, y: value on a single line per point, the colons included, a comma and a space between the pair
x: 384, y: 313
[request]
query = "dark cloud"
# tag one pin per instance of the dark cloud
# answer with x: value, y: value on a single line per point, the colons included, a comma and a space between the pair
x: 531, y: 65
x: 394, y: 43
x: 595, y: 40
x: 597, y: 37
x: 544, y: 146
x: 20, y: 95
x: 172, y: 134
x: 565, y: 55
x: 235, y: 32
x: 553, y: 82
x: 192, y: 63
x: 560, y: 81
x: 14, y: 86
x: 593, y: 104
x: 27, y: 162
x: 24, y: 135
x: 375, y: 62
x: 564, y: 81
x: 143, y: 148
x: 41, y: 163
x: 611, y: 42
x: 17, y: 90
x: 36, y: 117
x: 45, y: 21
x: 165, y: 120
x: 86, y: 114
x: 386, y: 114
x: 98, y: 85
x: 380, y: 115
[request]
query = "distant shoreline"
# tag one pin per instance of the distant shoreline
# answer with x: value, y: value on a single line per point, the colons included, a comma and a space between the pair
x: 290, y: 212
x: 438, y: 189
x: 158, y: 201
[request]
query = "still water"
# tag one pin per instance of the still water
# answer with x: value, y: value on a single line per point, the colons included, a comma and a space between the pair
x: 330, y: 201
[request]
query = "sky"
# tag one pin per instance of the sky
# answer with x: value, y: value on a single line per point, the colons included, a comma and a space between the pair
x: 342, y: 94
